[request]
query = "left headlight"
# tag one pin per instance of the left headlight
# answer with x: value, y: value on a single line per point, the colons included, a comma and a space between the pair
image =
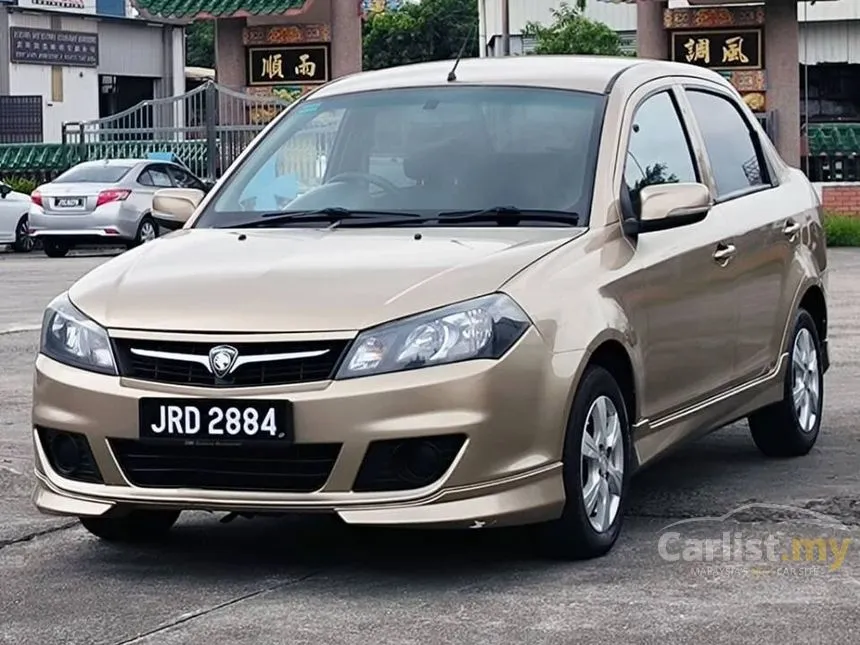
x: 69, y: 337
x: 485, y: 327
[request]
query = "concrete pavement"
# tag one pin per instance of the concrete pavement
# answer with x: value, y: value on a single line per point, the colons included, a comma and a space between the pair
x: 316, y: 581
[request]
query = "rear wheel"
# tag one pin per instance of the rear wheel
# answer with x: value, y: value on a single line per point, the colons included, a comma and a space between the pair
x: 147, y: 231
x: 56, y: 248
x: 23, y: 242
x: 596, y: 472
x: 790, y: 427
x: 138, y: 526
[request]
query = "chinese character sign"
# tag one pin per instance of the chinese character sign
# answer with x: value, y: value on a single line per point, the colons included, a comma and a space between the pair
x: 720, y: 50
x: 294, y: 64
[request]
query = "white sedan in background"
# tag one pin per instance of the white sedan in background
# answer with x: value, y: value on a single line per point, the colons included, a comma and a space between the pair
x: 14, y: 230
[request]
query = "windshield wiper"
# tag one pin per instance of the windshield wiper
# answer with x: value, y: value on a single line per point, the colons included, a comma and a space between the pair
x: 332, y: 214
x: 510, y: 215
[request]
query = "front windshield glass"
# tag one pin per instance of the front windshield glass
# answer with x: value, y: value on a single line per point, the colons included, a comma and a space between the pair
x: 425, y: 151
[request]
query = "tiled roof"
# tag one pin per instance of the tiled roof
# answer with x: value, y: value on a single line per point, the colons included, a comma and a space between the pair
x: 216, y: 8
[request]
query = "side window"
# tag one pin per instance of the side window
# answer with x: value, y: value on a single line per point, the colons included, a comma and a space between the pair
x: 183, y: 179
x: 734, y: 157
x: 658, y: 151
x: 155, y: 176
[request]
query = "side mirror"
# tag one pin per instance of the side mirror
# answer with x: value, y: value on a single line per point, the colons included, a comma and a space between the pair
x: 665, y: 206
x: 208, y: 184
x: 5, y: 190
x: 173, y: 207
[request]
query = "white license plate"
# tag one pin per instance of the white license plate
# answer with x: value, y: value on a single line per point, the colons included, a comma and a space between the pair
x: 69, y: 202
x: 215, y: 420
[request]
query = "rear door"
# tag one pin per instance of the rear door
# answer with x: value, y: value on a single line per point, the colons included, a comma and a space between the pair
x: 763, y: 222
x: 681, y: 291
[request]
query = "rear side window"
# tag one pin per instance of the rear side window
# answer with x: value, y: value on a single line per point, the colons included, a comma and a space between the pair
x: 658, y: 151
x: 155, y: 176
x: 735, y: 160
x: 93, y: 174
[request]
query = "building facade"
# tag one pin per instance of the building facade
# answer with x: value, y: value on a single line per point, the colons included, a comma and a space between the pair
x: 280, y: 48
x: 80, y: 60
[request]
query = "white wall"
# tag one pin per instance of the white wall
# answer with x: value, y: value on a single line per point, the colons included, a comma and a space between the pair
x: 80, y: 84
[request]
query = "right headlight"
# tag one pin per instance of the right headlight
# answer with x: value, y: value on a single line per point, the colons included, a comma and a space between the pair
x: 485, y: 327
x: 69, y: 337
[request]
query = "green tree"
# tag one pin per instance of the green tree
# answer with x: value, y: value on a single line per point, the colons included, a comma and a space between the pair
x: 200, y: 44
x: 420, y: 31
x: 572, y: 33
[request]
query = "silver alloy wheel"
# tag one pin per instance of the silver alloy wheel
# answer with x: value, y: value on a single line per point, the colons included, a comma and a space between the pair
x: 22, y: 235
x: 147, y: 232
x: 806, y: 388
x: 602, y: 463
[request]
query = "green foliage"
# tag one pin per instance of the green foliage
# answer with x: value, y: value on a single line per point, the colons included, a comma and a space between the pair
x: 842, y: 230
x: 20, y: 184
x: 572, y: 33
x: 200, y: 44
x: 420, y: 31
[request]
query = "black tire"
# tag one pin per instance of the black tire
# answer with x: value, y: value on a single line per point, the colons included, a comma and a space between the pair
x: 23, y: 242
x: 572, y: 536
x: 777, y: 430
x: 55, y: 248
x: 137, y: 527
x: 147, y: 223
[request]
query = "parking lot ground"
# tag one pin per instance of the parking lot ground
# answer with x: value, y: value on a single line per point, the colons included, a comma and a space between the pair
x: 313, y: 580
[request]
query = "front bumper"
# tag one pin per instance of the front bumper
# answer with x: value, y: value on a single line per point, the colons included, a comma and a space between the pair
x: 512, y: 413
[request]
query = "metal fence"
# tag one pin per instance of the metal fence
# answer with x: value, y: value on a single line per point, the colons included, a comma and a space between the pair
x: 206, y: 128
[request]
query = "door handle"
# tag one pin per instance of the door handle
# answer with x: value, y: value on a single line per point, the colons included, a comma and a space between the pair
x: 791, y: 228
x: 724, y: 253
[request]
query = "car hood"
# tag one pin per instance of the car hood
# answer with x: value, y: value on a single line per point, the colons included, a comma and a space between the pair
x: 289, y: 280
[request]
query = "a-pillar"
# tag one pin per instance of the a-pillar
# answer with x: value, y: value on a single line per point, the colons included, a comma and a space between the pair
x: 652, y: 39
x: 781, y: 53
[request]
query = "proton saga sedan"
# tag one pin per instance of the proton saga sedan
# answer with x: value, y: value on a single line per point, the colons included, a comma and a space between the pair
x: 453, y: 298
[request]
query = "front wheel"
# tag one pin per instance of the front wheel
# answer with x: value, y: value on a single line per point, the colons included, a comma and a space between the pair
x: 597, y: 461
x: 138, y: 526
x: 789, y: 428
x: 23, y: 242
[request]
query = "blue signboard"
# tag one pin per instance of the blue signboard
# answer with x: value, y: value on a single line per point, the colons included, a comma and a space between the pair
x: 110, y: 8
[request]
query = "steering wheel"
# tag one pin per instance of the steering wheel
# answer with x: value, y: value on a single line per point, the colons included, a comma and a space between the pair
x: 366, y: 177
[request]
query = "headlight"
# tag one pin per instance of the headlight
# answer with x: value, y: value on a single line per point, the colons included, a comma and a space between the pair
x: 485, y: 327
x: 70, y: 337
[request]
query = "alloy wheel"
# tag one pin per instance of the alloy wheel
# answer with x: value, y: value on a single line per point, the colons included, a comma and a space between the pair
x: 806, y: 390
x: 602, y: 463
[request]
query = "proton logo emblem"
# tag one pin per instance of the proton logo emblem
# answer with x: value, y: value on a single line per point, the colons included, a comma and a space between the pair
x: 222, y: 359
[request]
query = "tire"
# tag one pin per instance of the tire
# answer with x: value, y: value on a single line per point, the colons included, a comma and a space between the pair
x: 23, y: 242
x: 784, y: 429
x: 147, y: 231
x: 577, y: 535
x: 55, y: 248
x: 139, y: 526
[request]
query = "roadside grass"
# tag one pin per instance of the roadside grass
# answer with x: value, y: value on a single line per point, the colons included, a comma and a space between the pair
x: 842, y: 230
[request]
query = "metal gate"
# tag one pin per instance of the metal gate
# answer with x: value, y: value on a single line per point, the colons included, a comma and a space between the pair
x: 206, y: 128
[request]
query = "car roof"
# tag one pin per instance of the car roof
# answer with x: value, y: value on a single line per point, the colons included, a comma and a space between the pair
x: 583, y: 73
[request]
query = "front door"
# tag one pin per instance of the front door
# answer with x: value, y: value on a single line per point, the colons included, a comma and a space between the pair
x: 686, y: 294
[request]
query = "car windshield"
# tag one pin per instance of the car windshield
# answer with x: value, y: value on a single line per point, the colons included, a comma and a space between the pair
x: 420, y: 151
x: 93, y: 174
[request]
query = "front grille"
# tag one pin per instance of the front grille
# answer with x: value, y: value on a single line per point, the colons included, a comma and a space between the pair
x: 185, y: 372
x: 297, y: 468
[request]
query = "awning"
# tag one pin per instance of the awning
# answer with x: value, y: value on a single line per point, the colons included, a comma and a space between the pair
x: 191, y: 9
